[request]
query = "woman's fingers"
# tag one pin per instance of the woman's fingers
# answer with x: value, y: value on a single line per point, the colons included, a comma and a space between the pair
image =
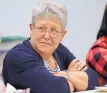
x: 72, y: 64
x: 81, y: 65
x: 85, y: 68
x: 77, y: 65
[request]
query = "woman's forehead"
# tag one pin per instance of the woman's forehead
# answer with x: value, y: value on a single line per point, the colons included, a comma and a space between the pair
x: 48, y: 17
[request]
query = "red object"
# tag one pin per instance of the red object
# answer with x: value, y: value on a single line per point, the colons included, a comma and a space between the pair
x: 97, y: 58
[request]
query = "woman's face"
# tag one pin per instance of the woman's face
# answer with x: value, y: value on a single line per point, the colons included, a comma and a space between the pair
x: 46, y: 34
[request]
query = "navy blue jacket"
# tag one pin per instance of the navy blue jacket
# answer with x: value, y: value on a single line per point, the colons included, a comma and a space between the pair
x: 23, y: 68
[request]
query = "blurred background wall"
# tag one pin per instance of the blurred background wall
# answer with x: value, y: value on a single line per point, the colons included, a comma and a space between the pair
x: 84, y: 19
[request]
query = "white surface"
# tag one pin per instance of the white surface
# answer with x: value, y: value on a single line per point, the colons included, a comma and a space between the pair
x: 89, y: 91
x: 100, y: 89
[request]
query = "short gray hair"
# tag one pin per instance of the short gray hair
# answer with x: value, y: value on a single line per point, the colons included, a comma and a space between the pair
x: 51, y: 7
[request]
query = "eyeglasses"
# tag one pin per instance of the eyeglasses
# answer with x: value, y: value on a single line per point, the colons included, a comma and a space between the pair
x: 53, y: 31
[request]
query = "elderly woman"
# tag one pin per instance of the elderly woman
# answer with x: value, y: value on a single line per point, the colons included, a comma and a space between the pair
x: 97, y: 55
x: 41, y: 62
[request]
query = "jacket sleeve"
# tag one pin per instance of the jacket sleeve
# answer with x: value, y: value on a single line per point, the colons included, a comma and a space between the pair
x: 92, y: 78
x: 26, y: 71
x: 97, y: 59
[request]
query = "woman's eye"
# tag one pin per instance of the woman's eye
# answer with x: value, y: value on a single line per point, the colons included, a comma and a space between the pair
x: 40, y: 28
x: 54, y: 30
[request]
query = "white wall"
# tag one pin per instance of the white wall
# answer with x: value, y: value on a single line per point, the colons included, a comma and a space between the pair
x: 84, y: 18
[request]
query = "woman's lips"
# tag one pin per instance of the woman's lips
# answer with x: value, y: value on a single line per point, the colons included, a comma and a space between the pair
x: 45, y: 43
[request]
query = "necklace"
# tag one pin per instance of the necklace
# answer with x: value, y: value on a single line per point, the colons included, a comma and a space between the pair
x: 51, y: 70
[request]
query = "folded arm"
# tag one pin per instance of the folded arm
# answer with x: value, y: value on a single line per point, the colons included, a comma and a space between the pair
x: 78, y: 79
x: 76, y: 75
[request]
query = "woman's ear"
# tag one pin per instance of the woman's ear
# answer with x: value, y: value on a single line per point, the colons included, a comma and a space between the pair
x: 63, y: 34
x: 31, y: 26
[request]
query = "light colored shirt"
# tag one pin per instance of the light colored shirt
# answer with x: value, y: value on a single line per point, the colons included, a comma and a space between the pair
x: 50, y: 69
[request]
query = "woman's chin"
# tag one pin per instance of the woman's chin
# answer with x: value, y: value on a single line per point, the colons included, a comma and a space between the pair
x: 45, y: 50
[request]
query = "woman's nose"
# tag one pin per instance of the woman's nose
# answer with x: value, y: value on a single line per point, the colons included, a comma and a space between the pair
x: 47, y: 35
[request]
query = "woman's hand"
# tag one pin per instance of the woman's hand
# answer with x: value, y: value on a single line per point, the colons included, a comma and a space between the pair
x: 77, y: 65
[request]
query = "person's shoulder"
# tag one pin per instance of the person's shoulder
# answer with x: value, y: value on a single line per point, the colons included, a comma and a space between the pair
x: 98, y: 51
x: 63, y: 49
x: 19, y: 48
x: 61, y: 46
x: 22, y: 56
x: 100, y: 43
x: 99, y: 46
x: 22, y: 51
